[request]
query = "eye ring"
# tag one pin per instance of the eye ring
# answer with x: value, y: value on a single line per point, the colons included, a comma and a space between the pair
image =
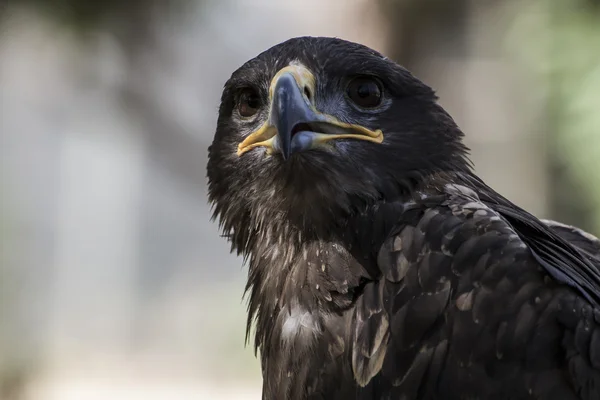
x: 365, y: 91
x: 249, y: 102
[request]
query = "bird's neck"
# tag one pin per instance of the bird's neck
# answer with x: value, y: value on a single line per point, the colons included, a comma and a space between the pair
x: 291, y: 271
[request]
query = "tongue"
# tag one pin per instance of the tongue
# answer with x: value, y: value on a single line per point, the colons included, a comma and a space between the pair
x: 301, y: 140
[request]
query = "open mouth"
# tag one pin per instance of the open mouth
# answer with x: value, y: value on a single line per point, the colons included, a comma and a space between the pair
x: 304, y: 127
x: 325, y: 128
x: 325, y: 131
x: 306, y: 135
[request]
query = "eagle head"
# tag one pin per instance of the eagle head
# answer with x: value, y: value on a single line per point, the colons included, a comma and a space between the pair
x: 315, y: 129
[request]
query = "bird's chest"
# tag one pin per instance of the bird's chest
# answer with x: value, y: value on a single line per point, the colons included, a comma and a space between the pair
x: 303, y: 338
x: 309, y: 348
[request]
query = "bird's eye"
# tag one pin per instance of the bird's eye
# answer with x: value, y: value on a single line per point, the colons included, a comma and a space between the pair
x: 365, y: 91
x: 248, y: 103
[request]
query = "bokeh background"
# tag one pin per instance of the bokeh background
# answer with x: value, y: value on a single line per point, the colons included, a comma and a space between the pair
x: 114, y: 284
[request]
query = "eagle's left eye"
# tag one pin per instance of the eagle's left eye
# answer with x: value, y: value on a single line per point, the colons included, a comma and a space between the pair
x: 365, y: 91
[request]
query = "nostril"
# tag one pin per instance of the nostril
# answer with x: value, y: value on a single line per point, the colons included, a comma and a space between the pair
x: 307, y: 92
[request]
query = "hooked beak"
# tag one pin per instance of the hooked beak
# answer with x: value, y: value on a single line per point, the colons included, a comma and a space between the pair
x: 294, y: 124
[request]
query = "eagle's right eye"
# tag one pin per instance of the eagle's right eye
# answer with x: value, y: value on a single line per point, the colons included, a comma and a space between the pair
x: 248, y: 102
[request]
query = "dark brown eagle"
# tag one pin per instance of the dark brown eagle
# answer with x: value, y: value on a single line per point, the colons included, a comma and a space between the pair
x: 380, y: 265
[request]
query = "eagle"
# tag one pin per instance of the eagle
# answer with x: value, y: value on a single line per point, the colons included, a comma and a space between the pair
x: 380, y: 266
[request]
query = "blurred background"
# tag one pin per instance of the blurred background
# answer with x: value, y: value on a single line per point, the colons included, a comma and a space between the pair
x: 113, y: 281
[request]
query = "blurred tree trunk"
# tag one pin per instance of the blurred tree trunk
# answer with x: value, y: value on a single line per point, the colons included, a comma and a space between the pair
x: 422, y: 28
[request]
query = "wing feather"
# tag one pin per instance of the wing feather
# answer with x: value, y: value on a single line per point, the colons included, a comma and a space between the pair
x: 463, y: 301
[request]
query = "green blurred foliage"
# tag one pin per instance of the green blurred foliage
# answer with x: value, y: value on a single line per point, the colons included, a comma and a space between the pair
x: 85, y: 14
x: 559, y: 41
x: 131, y: 20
